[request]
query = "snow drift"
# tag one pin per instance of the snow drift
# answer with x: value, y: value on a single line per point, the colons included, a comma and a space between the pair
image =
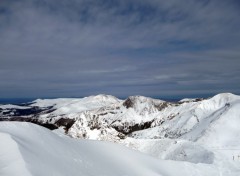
x: 199, y: 132
x: 27, y: 149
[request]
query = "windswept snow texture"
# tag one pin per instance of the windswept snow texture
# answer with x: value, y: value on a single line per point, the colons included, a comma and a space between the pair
x: 75, y: 105
x: 27, y: 149
x: 194, y: 131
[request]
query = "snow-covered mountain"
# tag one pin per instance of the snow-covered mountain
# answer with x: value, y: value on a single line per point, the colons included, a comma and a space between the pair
x: 191, y: 130
x: 31, y: 150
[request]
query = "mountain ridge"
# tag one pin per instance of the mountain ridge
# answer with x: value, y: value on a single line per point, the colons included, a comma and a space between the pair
x: 189, y: 125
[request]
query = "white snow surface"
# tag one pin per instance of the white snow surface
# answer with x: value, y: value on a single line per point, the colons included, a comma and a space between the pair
x: 203, y: 134
x: 76, y: 105
x: 30, y: 150
x: 169, y: 149
x: 212, y: 124
x: 10, y: 106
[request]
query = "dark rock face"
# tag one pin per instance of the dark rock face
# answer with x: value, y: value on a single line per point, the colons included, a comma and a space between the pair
x: 161, y: 106
x: 67, y: 123
x: 129, y: 129
x: 128, y: 103
x: 121, y: 136
x: 26, y: 112
x: 27, y: 115
x: 31, y: 120
x: 194, y: 100
x: 48, y: 125
x: 198, y: 99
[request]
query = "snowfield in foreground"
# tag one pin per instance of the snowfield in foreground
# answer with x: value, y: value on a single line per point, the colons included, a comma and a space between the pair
x: 27, y: 149
x: 189, y: 137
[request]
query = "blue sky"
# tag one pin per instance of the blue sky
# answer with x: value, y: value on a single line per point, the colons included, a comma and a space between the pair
x: 157, y: 48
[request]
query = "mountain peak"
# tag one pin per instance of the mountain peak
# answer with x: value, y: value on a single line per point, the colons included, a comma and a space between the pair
x: 105, y: 97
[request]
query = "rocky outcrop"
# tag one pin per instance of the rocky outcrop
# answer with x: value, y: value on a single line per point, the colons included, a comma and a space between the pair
x: 127, y: 129
x: 65, y: 122
x: 31, y: 120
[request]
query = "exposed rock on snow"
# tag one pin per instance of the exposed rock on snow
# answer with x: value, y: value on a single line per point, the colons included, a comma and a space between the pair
x: 193, y: 130
x: 29, y: 150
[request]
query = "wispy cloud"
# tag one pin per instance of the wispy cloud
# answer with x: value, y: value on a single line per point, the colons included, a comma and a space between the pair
x: 155, y: 48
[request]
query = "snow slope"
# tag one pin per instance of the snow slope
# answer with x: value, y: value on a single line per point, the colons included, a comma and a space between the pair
x: 27, y: 149
x: 204, y: 131
x: 169, y: 149
x: 76, y: 105
x: 10, y: 106
x: 192, y: 130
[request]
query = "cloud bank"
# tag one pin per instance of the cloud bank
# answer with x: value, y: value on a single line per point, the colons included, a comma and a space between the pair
x: 65, y: 48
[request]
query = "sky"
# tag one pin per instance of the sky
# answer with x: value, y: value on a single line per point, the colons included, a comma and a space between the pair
x: 156, y: 48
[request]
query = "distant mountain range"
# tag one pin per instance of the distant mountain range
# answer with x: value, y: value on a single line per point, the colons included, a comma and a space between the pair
x: 192, y: 130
